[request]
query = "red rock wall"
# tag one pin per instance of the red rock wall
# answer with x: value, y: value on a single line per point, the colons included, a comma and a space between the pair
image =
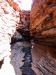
x: 43, y: 21
x: 43, y: 28
x: 44, y: 59
x: 14, y: 5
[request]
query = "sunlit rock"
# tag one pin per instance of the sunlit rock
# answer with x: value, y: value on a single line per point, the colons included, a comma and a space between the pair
x: 19, y: 5
x: 8, y: 21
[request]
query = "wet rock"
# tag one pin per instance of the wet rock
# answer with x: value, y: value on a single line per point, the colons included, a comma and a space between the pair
x: 26, y: 49
x: 43, y: 21
x: 17, y: 55
x: 26, y: 68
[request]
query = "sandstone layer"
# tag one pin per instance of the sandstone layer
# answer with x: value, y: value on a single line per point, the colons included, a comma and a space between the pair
x: 14, y: 27
x: 44, y: 59
x: 43, y: 30
x: 43, y: 21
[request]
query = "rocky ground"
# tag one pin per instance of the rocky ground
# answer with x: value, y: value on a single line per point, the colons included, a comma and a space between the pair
x: 17, y: 55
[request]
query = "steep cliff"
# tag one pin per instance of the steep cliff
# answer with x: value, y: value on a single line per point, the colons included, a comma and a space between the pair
x: 9, y: 18
x: 43, y: 30
x: 44, y: 59
x: 43, y: 21
x: 14, y: 30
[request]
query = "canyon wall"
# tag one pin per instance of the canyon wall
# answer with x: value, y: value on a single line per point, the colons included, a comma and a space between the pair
x: 13, y: 23
x: 14, y: 30
x: 9, y: 18
x: 43, y: 30
x: 15, y: 27
x: 43, y: 21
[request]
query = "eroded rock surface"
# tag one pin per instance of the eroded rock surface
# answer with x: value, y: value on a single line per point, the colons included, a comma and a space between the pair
x: 43, y: 29
x: 43, y: 21
x: 8, y: 21
x: 11, y: 23
x: 23, y: 26
x: 44, y: 59
x: 9, y: 18
x: 14, y: 4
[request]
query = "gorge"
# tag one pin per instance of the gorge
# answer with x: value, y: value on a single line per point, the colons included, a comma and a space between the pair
x: 28, y: 37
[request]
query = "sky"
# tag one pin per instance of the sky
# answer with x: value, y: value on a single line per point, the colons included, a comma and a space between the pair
x: 25, y: 5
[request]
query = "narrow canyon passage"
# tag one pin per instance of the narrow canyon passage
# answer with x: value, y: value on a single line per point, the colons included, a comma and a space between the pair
x: 18, y: 59
x: 21, y: 58
x: 27, y: 37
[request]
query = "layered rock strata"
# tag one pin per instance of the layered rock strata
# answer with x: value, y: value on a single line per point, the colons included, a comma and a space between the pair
x: 43, y: 29
x: 43, y: 21
x: 44, y: 59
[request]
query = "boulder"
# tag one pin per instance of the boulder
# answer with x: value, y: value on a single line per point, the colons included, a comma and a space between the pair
x: 43, y: 21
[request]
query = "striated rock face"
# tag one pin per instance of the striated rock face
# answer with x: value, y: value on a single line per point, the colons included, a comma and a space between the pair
x: 44, y: 59
x: 14, y: 5
x: 43, y: 21
x: 43, y: 29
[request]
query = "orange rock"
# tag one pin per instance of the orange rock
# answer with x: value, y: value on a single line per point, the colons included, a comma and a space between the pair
x: 43, y: 20
x: 14, y: 5
x: 44, y: 59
